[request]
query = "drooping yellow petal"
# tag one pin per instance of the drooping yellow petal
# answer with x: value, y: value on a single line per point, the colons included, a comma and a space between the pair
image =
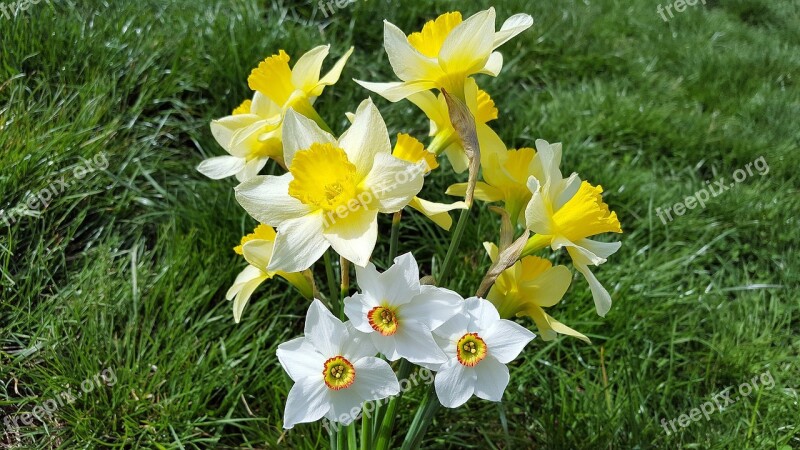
x: 244, y: 108
x: 430, y: 40
x: 273, y: 78
x: 410, y: 149
x: 262, y: 231
x: 439, y: 213
x: 323, y: 177
x: 585, y: 215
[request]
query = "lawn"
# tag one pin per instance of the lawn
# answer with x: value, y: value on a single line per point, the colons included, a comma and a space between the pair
x: 113, y: 284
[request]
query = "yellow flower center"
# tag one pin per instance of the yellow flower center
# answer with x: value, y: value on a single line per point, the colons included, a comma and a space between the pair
x: 262, y: 231
x: 323, y: 177
x: 429, y: 41
x: 471, y: 350
x: 410, y: 149
x: 339, y: 373
x: 383, y: 320
x: 273, y: 78
x: 585, y: 215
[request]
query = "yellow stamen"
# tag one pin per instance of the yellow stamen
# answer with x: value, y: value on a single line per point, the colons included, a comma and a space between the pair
x: 383, y: 320
x: 339, y: 373
x: 471, y: 349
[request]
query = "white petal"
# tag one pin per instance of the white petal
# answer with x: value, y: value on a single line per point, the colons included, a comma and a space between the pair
x: 224, y: 129
x: 601, y: 249
x: 415, y: 343
x: 407, y: 62
x: 483, y: 312
x: 538, y: 213
x: 466, y: 49
x: 513, y: 26
x: 356, y: 308
x: 355, y: 344
x: 493, y: 65
x: 246, y: 283
x: 265, y: 108
x: 453, y: 330
x: 506, y: 339
x: 433, y: 306
x: 258, y: 252
x: 431, y: 106
x: 345, y: 405
x: 307, y: 402
x: 299, y: 132
x: 300, y: 359
x: 221, y: 166
x: 400, y: 282
x: 375, y: 379
x: 299, y: 244
x: 602, y: 299
x: 366, y: 138
x: 454, y: 384
x: 397, y: 90
x: 492, y: 379
x: 386, y: 345
x: 394, y: 182
x: 249, y: 273
x: 333, y: 75
x: 323, y: 331
x: 266, y: 198
x: 251, y: 169
x: 354, y: 235
x: 305, y: 73
x: 369, y: 281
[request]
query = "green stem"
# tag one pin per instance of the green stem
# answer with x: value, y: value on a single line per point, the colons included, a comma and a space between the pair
x: 332, y: 291
x: 366, y: 430
x: 387, y: 424
x: 427, y: 409
x: 395, y: 236
x: 341, y: 439
x: 454, y: 243
x: 344, y: 265
x: 352, y: 443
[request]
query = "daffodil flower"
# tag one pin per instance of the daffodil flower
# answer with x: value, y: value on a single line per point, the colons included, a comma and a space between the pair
x: 566, y: 213
x: 297, y: 87
x: 256, y: 248
x: 409, y: 149
x: 333, y: 191
x: 251, y: 136
x: 398, y: 313
x: 445, y: 53
x: 445, y: 138
x: 478, y: 344
x: 505, y: 177
x: 334, y: 370
x: 529, y: 286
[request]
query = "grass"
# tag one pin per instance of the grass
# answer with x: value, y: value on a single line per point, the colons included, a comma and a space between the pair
x: 127, y: 268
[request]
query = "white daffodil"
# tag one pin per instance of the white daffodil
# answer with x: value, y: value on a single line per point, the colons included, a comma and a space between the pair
x: 251, y: 136
x: 478, y: 345
x: 334, y: 371
x: 256, y: 248
x: 445, y: 53
x: 398, y: 313
x: 565, y: 212
x: 333, y: 192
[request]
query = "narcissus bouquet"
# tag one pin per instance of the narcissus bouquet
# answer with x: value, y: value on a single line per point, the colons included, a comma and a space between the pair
x: 362, y: 345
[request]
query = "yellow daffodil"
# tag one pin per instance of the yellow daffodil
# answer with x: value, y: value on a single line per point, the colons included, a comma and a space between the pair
x: 529, y: 286
x: 251, y: 136
x: 257, y: 248
x: 565, y: 213
x: 445, y: 53
x: 333, y: 192
x: 445, y: 139
x: 410, y: 149
x: 506, y: 175
x: 298, y: 87
x: 252, y: 133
